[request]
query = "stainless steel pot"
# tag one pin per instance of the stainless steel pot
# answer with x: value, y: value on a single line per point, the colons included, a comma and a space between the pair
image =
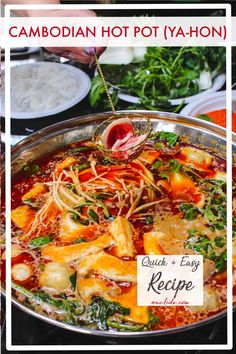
x: 198, y: 132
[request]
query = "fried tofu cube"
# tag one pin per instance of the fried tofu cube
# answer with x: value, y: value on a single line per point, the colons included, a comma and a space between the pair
x: 121, y: 231
x: 69, y: 161
x: 138, y: 314
x: 151, y: 242
x: 37, y: 190
x: 149, y: 156
x: 71, y: 230
x: 22, y: 216
x: 88, y: 287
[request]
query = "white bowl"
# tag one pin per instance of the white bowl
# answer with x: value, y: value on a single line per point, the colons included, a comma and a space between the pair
x: 208, y: 103
x: 83, y: 83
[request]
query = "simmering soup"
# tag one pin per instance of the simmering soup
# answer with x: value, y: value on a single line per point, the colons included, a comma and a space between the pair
x: 79, y: 220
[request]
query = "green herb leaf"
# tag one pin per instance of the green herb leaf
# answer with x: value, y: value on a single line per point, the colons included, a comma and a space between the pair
x: 205, y: 117
x: 171, y: 138
x: 40, y: 241
x: 31, y: 169
x: 97, y: 91
x: 149, y: 220
x: 73, y: 279
x: 156, y: 165
x: 190, y: 211
x: 153, y: 319
x: 101, y: 309
x: 220, y: 241
x: 221, y: 261
x: 125, y: 326
x: 175, y: 166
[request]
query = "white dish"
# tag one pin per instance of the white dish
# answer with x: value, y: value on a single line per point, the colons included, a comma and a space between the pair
x: 210, y: 102
x: 83, y: 84
x: 218, y: 83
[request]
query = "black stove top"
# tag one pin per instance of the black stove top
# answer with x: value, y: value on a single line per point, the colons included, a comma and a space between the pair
x: 27, y: 330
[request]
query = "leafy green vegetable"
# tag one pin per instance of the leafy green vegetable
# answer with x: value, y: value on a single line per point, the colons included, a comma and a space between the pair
x: 221, y: 261
x: 31, y: 204
x: 220, y: 241
x: 171, y: 138
x: 71, y: 308
x: 153, y: 319
x: 106, y: 161
x: 165, y: 73
x: 73, y: 279
x: 149, y: 220
x: 208, y: 248
x: 190, y: 211
x: 156, y: 165
x: 80, y: 167
x: 97, y: 91
x: 31, y: 169
x: 40, y: 241
x: 126, y: 326
x: 101, y: 309
x: 200, y: 244
x: 175, y: 166
x: 205, y: 117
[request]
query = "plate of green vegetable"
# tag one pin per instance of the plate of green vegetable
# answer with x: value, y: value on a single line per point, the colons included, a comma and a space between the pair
x: 166, y: 78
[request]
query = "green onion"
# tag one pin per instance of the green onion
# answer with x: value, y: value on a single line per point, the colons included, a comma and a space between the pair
x: 93, y: 216
x: 80, y: 167
x: 40, y: 241
x: 79, y: 149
